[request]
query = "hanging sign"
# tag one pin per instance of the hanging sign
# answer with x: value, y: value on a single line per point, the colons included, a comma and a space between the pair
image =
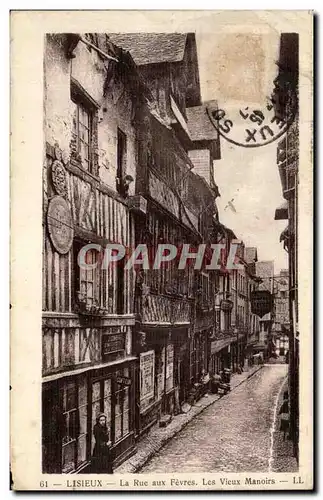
x: 123, y: 380
x: 60, y: 224
x: 261, y: 302
x: 226, y: 305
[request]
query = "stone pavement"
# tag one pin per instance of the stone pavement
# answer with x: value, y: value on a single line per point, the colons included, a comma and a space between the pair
x: 283, y: 457
x: 157, y: 437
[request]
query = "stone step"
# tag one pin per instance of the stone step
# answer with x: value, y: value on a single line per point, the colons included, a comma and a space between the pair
x: 165, y: 420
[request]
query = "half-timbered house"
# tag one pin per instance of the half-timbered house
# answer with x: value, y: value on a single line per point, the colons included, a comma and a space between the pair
x: 171, y: 357
x: 91, y: 92
x: 165, y: 296
x: 203, y: 191
x: 286, y: 100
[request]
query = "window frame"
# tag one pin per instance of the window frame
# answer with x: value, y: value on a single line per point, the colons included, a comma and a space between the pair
x: 97, y: 280
x: 116, y: 389
x: 81, y: 99
x: 77, y: 382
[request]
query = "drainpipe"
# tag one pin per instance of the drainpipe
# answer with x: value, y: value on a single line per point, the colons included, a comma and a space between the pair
x: 236, y: 313
x: 165, y: 370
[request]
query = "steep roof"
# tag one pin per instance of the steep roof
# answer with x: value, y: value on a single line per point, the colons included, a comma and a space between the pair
x: 251, y: 254
x: 265, y: 271
x: 149, y: 48
x: 265, y: 268
x: 226, y: 230
x: 199, y: 123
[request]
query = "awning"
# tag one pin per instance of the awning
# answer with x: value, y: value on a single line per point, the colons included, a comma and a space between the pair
x: 78, y: 371
x: 281, y: 213
x: 218, y: 345
x: 259, y: 347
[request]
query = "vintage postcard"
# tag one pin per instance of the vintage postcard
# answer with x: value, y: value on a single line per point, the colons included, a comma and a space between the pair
x: 161, y: 250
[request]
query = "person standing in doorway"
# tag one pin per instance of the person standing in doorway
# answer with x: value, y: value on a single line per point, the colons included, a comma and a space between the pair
x: 102, y: 457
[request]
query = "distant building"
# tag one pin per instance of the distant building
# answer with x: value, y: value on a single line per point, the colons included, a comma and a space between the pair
x: 251, y: 258
x: 281, y: 307
x: 265, y: 271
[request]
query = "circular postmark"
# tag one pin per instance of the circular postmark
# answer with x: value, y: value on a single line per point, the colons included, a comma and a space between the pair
x: 60, y: 224
x: 250, y: 126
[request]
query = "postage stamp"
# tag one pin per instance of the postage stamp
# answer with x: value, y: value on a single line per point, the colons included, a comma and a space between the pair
x: 161, y: 306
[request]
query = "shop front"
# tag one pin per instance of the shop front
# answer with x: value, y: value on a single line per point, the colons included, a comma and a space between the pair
x: 199, y: 355
x: 71, y: 405
x: 221, y: 355
x: 162, y: 374
x: 182, y: 367
x: 153, y: 379
x: 91, y: 372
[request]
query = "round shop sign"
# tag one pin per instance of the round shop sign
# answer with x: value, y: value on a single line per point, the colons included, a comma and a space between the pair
x: 60, y: 224
x: 59, y: 178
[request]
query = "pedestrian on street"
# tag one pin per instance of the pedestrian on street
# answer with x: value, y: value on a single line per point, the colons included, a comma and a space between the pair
x: 215, y: 383
x: 102, y: 457
x: 205, y: 381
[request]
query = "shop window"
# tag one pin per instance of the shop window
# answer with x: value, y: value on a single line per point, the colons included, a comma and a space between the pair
x: 84, y: 129
x: 112, y: 397
x: 169, y: 367
x: 122, y: 406
x: 73, y: 394
x: 96, y: 407
x: 102, y: 403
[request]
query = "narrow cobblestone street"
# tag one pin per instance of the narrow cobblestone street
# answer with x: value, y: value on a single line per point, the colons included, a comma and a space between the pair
x: 235, y: 434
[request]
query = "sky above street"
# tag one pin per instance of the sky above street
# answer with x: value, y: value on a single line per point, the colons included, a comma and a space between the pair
x: 237, y: 69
